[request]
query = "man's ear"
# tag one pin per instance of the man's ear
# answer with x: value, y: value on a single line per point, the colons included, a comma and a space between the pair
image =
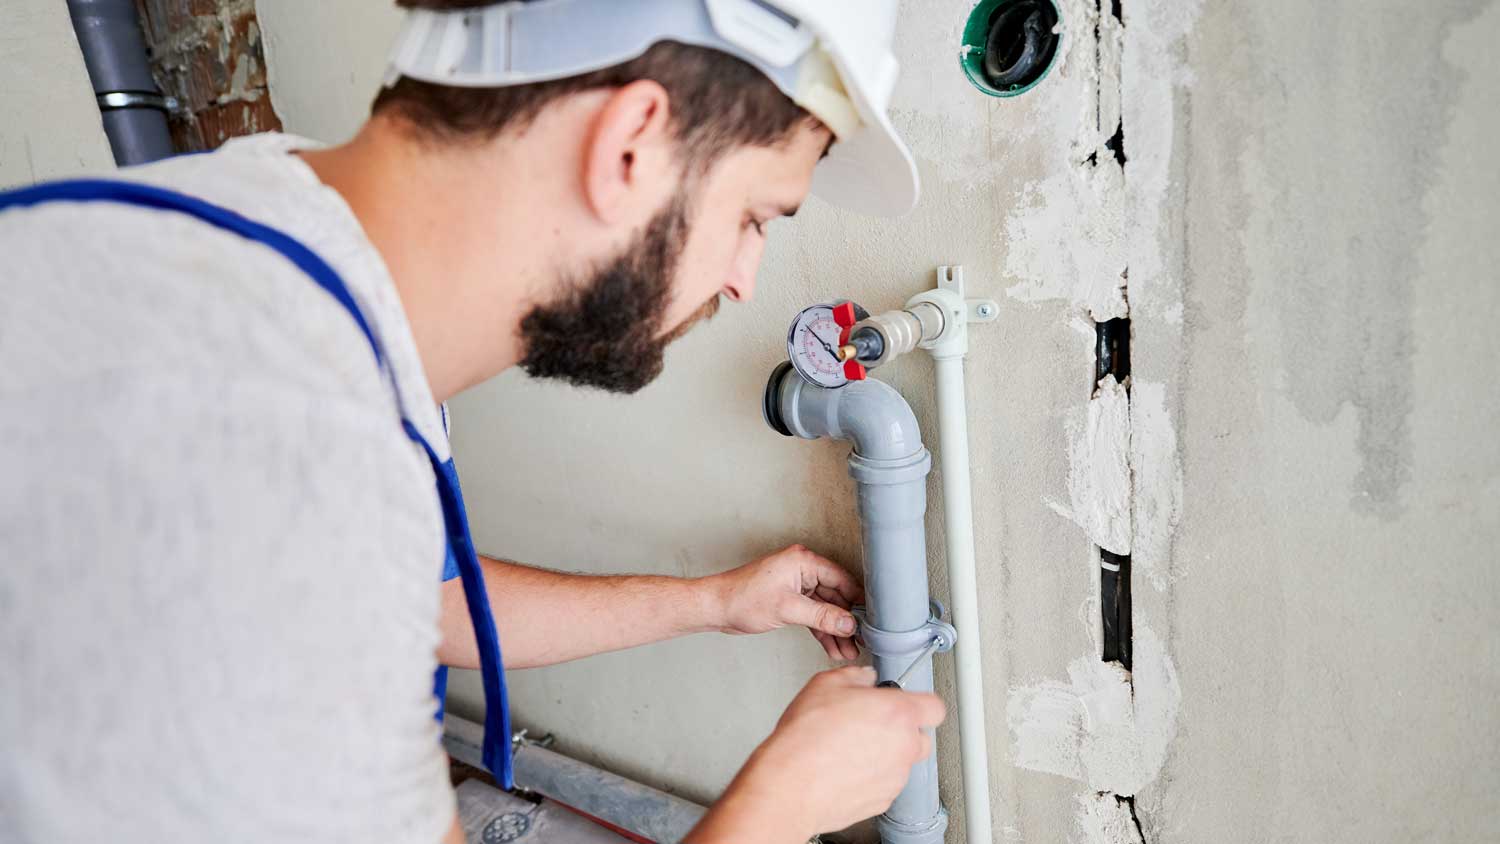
x: 629, y: 152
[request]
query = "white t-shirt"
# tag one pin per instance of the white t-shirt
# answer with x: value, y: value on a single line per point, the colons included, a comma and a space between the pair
x: 219, y: 553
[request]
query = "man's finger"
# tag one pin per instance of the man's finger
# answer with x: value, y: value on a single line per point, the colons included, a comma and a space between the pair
x: 821, y: 571
x: 831, y: 595
x: 847, y: 648
x: 830, y: 645
x: 817, y: 615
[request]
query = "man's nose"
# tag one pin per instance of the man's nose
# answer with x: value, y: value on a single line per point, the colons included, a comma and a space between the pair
x: 741, y: 284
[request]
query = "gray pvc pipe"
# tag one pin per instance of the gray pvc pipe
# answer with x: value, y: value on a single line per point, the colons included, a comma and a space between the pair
x: 109, y: 32
x: 889, y: 465
x: 627, y: 804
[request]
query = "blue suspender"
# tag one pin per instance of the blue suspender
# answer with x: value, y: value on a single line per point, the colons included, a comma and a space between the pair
x: 460, y: 545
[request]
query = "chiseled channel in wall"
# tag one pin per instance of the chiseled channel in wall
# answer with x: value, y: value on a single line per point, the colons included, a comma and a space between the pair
x: 1112, y: 357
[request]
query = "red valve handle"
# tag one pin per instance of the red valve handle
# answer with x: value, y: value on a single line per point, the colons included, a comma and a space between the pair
x: 844, y: 316
x: 853, y: 369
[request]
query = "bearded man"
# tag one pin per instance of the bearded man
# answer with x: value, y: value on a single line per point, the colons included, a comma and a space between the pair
x: 221, y: 615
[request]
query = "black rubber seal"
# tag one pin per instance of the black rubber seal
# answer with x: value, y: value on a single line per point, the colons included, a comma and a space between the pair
x: 1020, y: 44
x: 770, y: 403
x: 869, y: 344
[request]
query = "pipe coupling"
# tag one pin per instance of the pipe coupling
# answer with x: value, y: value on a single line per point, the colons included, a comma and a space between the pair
x: 930, y: 831
x: 900, y: 331
x: 897, y: 643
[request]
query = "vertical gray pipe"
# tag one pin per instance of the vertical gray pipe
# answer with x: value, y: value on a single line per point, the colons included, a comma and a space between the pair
x: 889, y: 465
x: 134, y: 112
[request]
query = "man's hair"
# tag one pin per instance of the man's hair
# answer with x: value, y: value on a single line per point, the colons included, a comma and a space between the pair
x: 718, y: 102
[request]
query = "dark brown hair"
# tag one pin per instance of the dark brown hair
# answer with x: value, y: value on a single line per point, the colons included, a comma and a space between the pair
x: 718, y: 102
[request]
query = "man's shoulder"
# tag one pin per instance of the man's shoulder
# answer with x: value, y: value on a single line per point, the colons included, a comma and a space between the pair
x: 105, y: 285
x: 255, y: 176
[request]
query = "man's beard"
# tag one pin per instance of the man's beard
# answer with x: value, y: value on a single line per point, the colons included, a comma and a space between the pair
x: 607, y: 332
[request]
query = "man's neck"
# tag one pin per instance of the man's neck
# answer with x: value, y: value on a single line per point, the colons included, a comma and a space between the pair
x: 459, y: 256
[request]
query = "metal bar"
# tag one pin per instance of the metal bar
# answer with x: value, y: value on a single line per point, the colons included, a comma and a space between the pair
x: 629, y: 805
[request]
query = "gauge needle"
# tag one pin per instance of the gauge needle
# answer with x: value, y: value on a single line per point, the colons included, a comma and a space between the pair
x: 827, y: 347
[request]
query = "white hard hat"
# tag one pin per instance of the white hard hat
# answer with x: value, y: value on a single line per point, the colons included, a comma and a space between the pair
x: 832, y: 57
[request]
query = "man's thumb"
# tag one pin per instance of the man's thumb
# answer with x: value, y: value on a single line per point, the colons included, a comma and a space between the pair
x: 818, y: 615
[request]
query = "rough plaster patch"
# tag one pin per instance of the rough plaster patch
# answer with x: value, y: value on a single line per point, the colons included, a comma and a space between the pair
x: 1156, y: 503
x: 1099, y: 468
x: 1111, y: 43
x: 1152, y: 71
x: 1065, y: 242
x: 1105, y: 819
x: 1105, y: 727
x: 1088, y: 340
x: 1064, y: 238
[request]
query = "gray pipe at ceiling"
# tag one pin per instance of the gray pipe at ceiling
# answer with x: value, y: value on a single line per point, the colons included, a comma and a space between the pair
x: 133, y: 110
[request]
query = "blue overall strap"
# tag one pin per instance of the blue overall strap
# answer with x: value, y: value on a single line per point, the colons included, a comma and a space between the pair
x: 456, y: 523
x: 450, y: 571
x: 496, y: 718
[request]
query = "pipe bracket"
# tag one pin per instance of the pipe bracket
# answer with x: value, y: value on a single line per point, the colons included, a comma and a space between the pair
x: 890, y: 643
x: 112, y: 100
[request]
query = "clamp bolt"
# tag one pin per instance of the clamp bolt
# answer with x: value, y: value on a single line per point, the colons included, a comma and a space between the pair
x: 985, y: 310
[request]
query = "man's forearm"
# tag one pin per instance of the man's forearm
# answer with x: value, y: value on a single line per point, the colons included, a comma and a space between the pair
x: 546, y: 617
x: 749, y: 813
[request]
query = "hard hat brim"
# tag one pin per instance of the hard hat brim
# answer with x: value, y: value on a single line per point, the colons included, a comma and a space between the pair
x: 871, y: 171
x: 868, y: 169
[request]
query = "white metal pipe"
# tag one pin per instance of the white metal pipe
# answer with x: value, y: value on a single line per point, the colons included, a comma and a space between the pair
x: 963, y: 588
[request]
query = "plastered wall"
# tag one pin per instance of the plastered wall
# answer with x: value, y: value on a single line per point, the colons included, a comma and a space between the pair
x: 1302, y: 467
x: 49, y: 124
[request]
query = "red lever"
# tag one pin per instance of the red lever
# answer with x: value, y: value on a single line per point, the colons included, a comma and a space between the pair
x: 853, y: 369
x: 844, y: 316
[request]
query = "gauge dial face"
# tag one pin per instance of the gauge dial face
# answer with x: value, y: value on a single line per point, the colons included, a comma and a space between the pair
x: 813, y: 345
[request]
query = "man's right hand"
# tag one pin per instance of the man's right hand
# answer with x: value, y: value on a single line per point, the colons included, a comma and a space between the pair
x: 840, y: 754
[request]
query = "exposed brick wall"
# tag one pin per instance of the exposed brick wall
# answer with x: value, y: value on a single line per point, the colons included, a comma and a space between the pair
x: 207, y: 54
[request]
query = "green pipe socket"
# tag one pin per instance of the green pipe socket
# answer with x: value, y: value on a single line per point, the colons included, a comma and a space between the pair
x: 1009, y: 45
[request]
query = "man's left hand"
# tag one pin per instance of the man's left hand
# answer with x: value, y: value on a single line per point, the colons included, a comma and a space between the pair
x: 791, y: 586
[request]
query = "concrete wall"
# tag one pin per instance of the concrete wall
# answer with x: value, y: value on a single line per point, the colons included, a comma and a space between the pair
x: 49, y: 124
x: 325, y: 60
x: 1303, y: 236
x: 1331, y: 247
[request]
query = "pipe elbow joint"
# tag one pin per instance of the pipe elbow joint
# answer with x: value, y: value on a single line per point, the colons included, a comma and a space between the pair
x: 870, y: 414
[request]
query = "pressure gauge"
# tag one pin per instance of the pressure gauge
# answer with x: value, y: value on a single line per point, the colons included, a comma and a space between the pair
x: 815, y: 340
